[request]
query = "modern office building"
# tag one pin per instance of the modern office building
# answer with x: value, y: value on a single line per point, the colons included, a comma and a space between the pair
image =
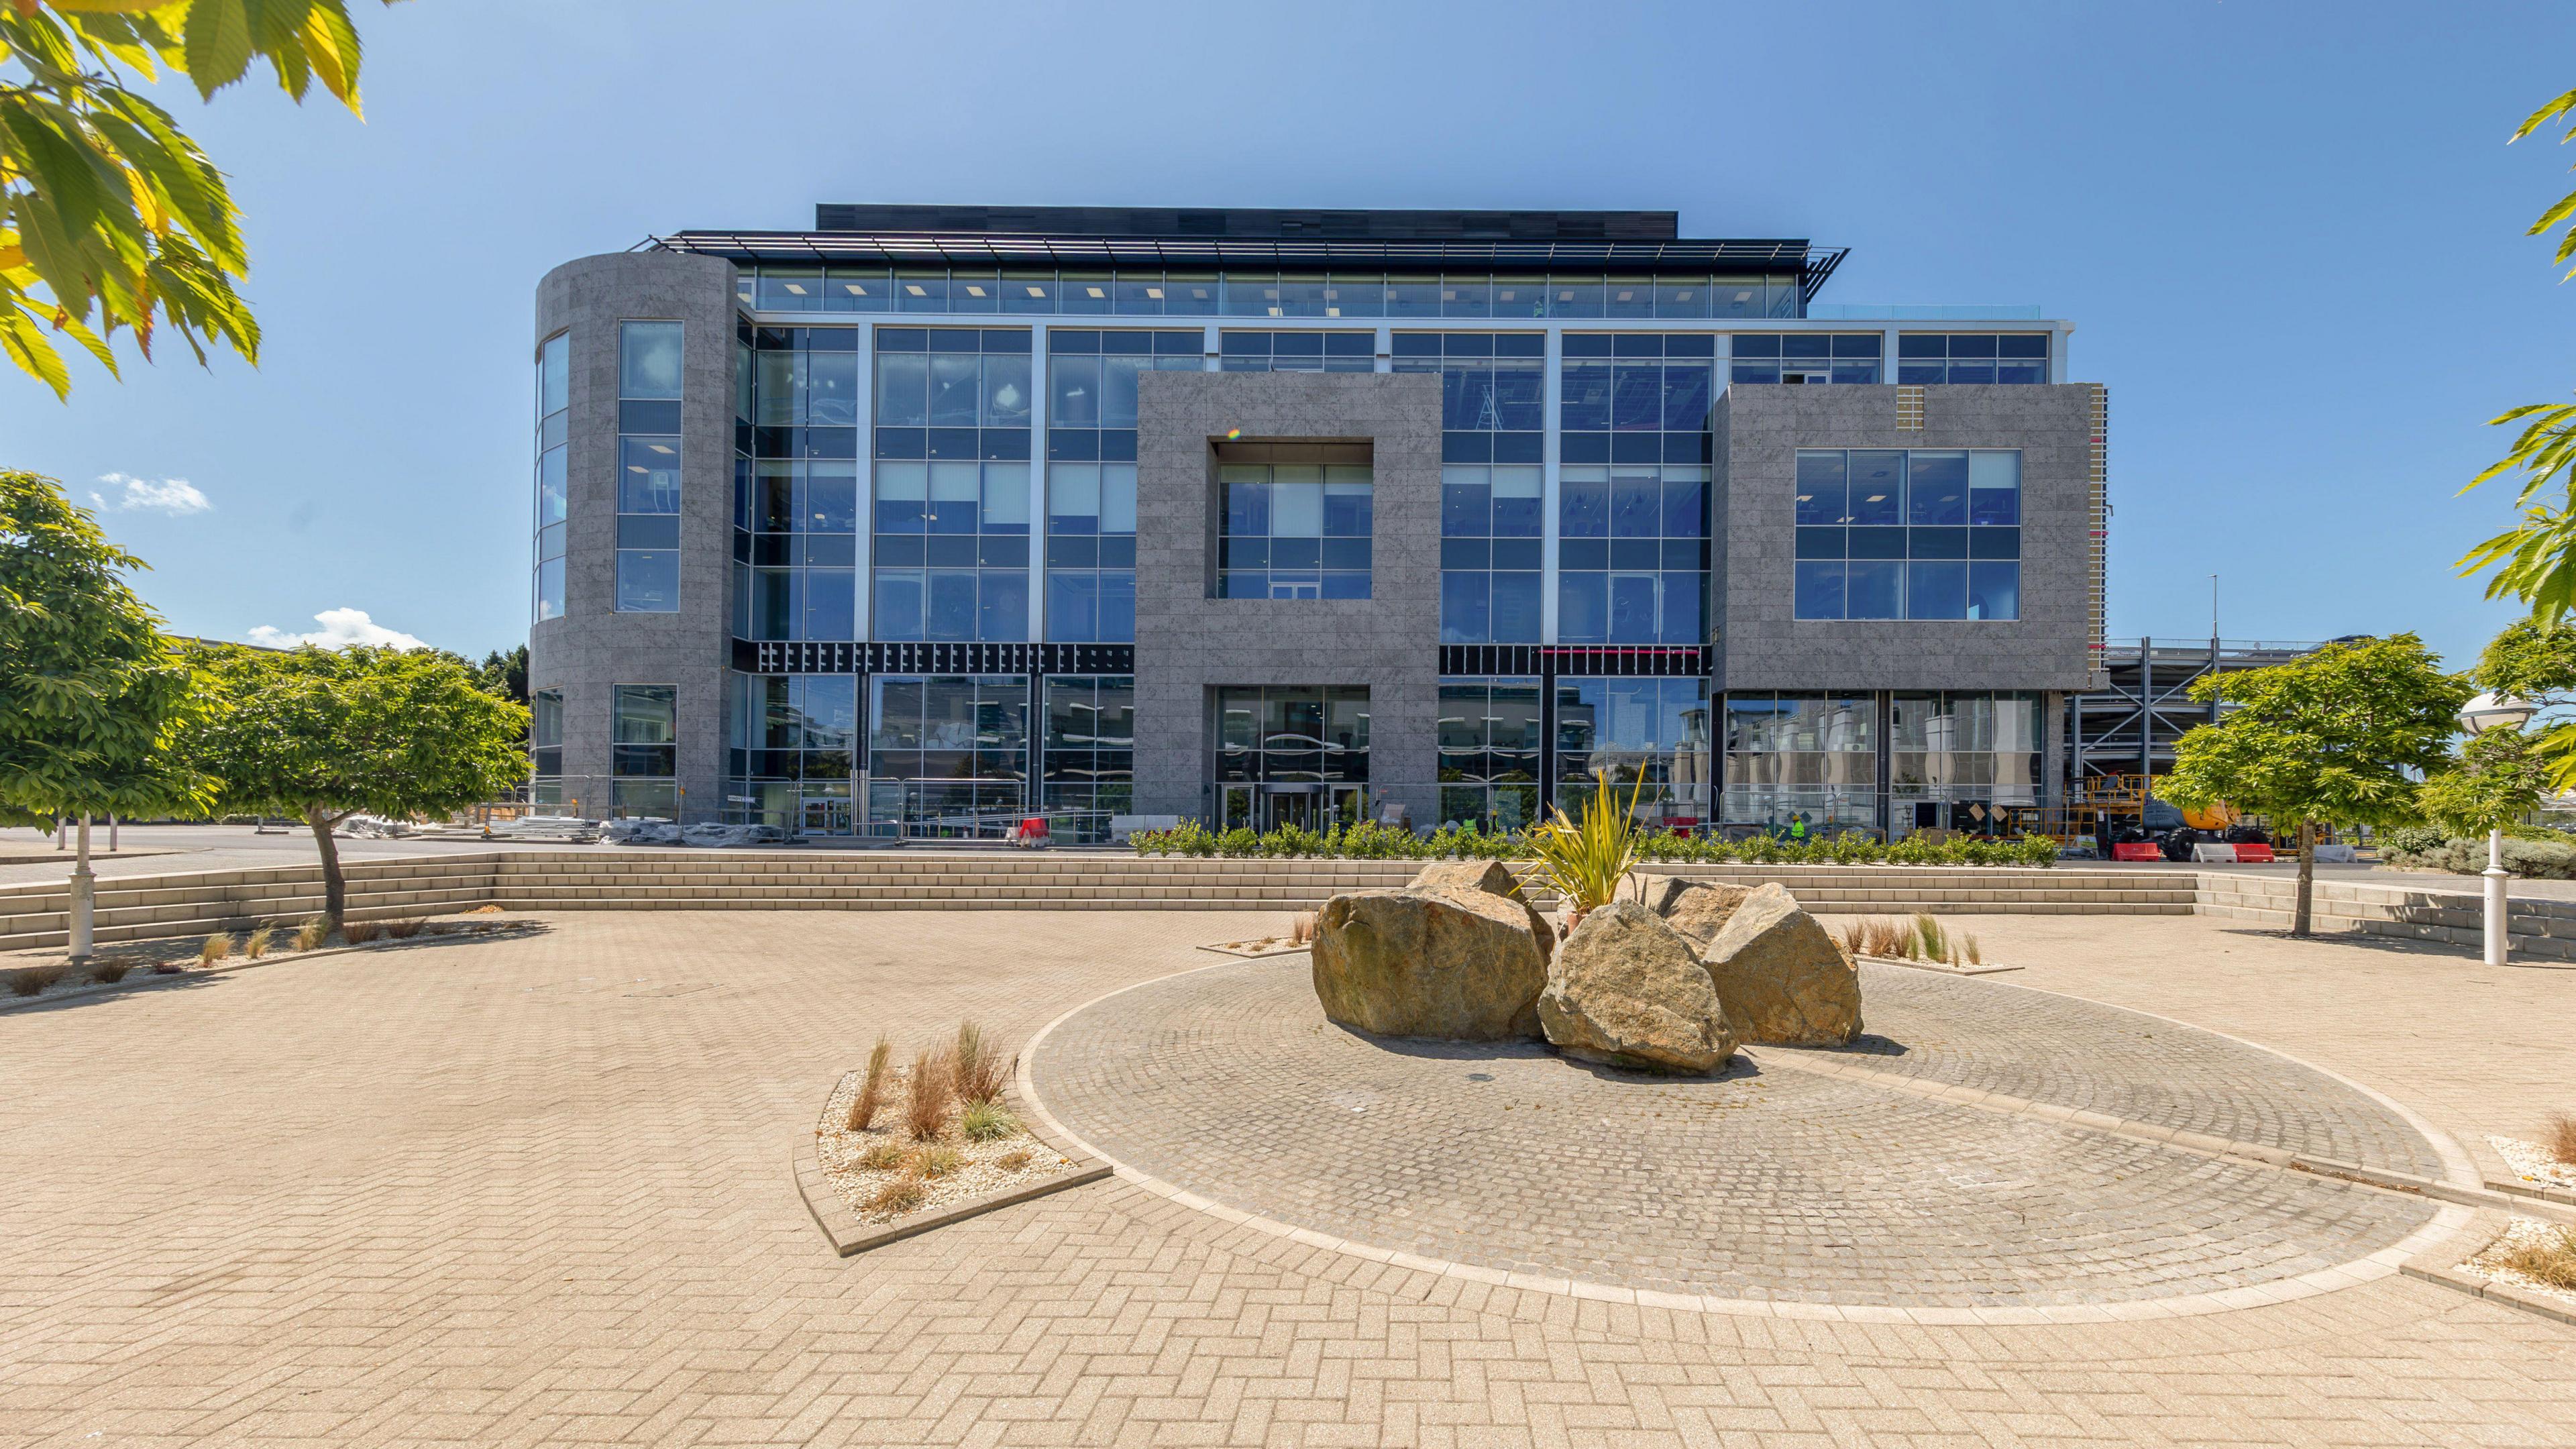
x: 934, y: 518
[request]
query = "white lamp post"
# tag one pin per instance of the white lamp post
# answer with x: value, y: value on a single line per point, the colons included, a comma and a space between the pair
x: 2493, y: 711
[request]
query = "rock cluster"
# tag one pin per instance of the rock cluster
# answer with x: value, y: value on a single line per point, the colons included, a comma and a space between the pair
x: 1671, y: 980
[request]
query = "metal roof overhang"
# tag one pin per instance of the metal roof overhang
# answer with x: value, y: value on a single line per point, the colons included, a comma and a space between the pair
x: 1814, y: 264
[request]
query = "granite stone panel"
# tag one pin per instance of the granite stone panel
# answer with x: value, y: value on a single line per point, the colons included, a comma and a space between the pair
x: 1188, y: 641
x: 593, y: 648
x: 1759, y: 430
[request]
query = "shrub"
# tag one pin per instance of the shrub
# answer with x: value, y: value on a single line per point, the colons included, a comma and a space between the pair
x: 311, y: 935
x: 871, y: 1098
x: 1368, y: 840
x: 404, y: 930
x: 218, y: 946
x: 2411, y: 840
x: 28, y: 980
x: 255, y: 945
x: 981, y: 1069
x: 986, y: 1122
x: 109, y: 972
x: 359, y: 933
x: 934, y: 1163
x: 932, y: 1091
x: 2532, y: 859
x: 899, y: 1196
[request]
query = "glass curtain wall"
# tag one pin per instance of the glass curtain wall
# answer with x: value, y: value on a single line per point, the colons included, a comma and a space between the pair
x: 1299, y: 352
x: 1091, y: 475
x: 1493, y: 416
x: 797, y: 538
x: 545, y: 748
x: 1633, y: 486
x: 791, y: 744
x: 1808, y: 357
x: 1925, y: 534
x: 643, y: 752
x: 1491, y: 733
x: 1794, y: 757
x: 2017, y: 357
x: 1955, y: 760
x: 554, y: 400
x: 1088, y: 755
x: 951, y: 551
x: 787, y: 287
x: 1291, y: 755
x: 1649, y: 735
x: 948, y: 755
x: 1295, y: 530
x: 648, y: 467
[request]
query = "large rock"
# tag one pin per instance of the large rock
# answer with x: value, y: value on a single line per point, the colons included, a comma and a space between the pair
x: 1784, y: 978
x: 1458, y: 965
x: 1488, y: 877
x: 1628, y: 990
x: 1697, y: 909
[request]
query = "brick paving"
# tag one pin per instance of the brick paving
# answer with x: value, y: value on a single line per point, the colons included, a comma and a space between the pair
x: 1763, y: 1184
x: 537, y: 1191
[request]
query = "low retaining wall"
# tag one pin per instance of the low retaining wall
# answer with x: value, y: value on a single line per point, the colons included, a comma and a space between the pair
x: 2541, y: 928
x: 182, y: 904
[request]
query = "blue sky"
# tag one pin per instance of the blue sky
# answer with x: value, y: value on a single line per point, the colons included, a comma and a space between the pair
x: 2289, y: 235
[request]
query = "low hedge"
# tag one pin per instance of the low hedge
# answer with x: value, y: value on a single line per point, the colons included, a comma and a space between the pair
x: 1371, y: 841
x: 2421, y: 849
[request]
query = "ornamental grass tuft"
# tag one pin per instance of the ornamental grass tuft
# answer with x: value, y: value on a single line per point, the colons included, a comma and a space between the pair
x: 256, y: 944
x: 931, y: 1093
x: 899, y: 1196
x: 986, y: 1122
x: 311, y: 935
x: 2550, y: 1259
x: 218, y: 946
x: 981, y: 1068
x: 872, y: 1088
x: 2562, y: 1138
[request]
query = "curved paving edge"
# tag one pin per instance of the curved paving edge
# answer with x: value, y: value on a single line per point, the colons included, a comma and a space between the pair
x: 851, y: 1237
x: 2438, y: 1238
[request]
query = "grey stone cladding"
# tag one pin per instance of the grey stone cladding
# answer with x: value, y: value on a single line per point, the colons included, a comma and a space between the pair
x: 1188, y: 641
x: 592, y: 648
x: 1758, y: 432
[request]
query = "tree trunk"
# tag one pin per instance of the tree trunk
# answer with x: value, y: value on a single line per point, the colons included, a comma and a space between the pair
x: 335, y: 888
x: 2307, y: 876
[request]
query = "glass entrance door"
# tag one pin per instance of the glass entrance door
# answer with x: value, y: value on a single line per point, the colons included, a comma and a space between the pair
x: 1299, y: 804
x: 827, y: 816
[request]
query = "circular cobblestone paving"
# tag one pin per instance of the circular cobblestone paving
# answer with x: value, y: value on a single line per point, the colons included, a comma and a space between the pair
x: 1769, y: 1182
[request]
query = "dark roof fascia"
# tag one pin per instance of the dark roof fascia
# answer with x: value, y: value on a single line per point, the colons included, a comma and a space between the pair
x: 1814, y: 264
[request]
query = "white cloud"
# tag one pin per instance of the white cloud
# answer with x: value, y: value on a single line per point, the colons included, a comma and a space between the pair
x: 174, y: 496
x: 340, y: 629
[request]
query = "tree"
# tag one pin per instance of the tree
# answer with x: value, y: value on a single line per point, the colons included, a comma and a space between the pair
x: 91, y: 694
x: 2535, y: 560
x: 2538, y: 665
x: 505, y: 674
x: 2338, y: 737
x: 2498, y: 779
x: 324, y: 735
x: 110, y: 217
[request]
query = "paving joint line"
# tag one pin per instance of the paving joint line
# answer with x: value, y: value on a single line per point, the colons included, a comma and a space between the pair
x: 2450, y: 1221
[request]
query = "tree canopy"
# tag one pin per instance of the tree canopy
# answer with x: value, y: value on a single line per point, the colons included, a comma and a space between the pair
x: 2535, y: 560
x: 91, y: 694
x: 2340, y: 736
x: 323, y: 735
x: 111, y: 218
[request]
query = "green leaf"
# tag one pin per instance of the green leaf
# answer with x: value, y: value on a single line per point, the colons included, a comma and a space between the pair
x: 217, y: 39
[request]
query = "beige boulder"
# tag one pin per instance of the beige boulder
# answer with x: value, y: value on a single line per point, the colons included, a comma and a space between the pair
x: 1490, y: 877
x: 1626, y: 989
x: 1784, y: 979
x: 1457, y: 965
x: 1697, y: 909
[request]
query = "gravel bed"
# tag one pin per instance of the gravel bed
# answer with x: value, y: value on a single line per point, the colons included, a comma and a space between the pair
x: 2521, y: 1233
x: 983, y: 1171
x: 2533, y: 1163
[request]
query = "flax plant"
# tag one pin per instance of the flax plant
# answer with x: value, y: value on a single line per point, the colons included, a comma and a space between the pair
x: 1584, y: 859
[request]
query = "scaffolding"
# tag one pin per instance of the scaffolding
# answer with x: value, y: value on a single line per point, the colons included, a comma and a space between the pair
x: 2124, y: 732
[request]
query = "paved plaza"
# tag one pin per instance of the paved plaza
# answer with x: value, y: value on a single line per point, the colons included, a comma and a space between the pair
x: 539, y: 1191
